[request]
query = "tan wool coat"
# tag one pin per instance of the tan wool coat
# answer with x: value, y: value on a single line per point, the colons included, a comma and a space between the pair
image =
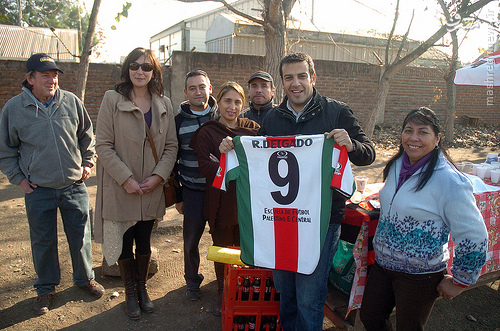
x: 123, y: 151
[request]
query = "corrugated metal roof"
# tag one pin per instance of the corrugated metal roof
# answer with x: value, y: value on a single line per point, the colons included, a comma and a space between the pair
x: 18, y: 42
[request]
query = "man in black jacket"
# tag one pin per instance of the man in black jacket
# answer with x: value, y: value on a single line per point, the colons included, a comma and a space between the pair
x: 261, y: 92
x: 305, y: 111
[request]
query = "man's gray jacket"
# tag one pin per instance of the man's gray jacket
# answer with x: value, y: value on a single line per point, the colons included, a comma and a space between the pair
x: 48, y: 150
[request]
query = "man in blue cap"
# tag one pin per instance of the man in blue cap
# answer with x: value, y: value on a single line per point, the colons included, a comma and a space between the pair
x: 47, y: 149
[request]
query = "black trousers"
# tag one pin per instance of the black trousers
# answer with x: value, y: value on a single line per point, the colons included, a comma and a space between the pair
x: 192, y: 230
x: 413, y: 295
x: 141, y: 234
x: 223, y: 237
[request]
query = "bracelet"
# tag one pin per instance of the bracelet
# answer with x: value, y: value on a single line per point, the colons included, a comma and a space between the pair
x: 458, y: 284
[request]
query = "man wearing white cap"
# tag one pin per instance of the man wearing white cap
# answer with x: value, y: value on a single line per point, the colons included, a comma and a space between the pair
x: 47, y: 148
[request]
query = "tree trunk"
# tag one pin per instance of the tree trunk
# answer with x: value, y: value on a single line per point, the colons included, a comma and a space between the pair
x: 20, y: 13
x: 450, y: 108
x: 382, y: 91
x: 275, y: 51
x: 83, y: 67
x: 451, y: 91
x: 275, y: 38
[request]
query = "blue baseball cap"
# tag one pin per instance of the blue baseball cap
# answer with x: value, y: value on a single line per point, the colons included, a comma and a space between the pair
x: 41, y: 62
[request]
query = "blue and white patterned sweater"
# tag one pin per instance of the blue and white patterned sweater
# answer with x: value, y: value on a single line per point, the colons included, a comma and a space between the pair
x: 414, y: 227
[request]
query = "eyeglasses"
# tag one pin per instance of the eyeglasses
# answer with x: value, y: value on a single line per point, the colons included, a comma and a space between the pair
x: 146, y: 67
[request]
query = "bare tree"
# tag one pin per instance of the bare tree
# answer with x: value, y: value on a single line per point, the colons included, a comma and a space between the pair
x: 83, y: 67
x: 389, y: 70
x: 274, y: 17
x: 451, y: 90
x: 449, y: 76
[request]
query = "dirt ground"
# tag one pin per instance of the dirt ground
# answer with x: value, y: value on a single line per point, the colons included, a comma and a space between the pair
x: 476, y: 309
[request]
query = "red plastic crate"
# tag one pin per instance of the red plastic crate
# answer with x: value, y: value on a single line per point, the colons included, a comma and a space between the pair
x: 232, y: 305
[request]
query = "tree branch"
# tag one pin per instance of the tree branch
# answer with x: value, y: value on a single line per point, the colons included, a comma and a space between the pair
x: 445, y: 9
x: 231, y: 8
x: 423, y: 47
x: 287, y: 6
x: 405, y: 37
x: 391, y: 34
x: 467, y: 11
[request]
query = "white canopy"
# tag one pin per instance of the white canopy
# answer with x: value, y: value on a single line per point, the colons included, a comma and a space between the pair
x: 483, y: 72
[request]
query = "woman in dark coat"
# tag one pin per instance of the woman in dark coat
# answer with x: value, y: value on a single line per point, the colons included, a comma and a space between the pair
x: 220, y: 207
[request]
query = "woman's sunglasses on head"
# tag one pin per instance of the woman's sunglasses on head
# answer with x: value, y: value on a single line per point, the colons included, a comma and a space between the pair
x: 146, y: 67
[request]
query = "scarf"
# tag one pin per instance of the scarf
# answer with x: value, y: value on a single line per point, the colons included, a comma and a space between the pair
x: 408, y: 169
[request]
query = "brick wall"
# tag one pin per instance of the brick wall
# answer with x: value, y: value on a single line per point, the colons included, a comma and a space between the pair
x: 101, y: 78
x: 219, y: 67
x: 353, y: 83
x: 479, y: 101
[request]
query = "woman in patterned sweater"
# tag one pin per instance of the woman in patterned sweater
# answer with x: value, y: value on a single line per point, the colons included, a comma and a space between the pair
x: 424, y: 199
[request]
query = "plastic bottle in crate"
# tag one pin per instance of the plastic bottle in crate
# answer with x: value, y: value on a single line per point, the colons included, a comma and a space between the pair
x: 267, y: 291
x: 256, y: 289
x: 273, y: 322
x: 239, y: 322
x: 245, y: 292
x: 264, y: 323
x: 238, y: 285
x: 251, y: 322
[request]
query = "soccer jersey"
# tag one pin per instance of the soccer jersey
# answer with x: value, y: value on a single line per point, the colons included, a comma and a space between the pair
x: 284, y: 192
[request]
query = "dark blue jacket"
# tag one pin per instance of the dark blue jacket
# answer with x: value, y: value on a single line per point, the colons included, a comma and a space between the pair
x: 257, y: 115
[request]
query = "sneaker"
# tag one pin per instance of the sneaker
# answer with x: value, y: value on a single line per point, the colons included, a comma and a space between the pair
x: 193, y: 294
x: 94, y: 289
x: 42, y: 303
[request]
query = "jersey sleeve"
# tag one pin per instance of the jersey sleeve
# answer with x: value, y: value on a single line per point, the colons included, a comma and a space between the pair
x: 227, y: 167
x: 343, y: 179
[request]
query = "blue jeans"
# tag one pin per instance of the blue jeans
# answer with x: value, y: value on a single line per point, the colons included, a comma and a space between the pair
x: 41, y: 209
x: 302, y: 296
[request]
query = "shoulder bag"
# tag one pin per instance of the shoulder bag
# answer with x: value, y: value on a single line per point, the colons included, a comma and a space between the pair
x: 170, y: 183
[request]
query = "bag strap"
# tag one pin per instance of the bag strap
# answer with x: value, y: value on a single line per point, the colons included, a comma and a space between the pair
x: 151, y: 142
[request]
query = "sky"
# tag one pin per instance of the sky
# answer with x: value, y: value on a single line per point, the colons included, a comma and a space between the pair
x: 149, y: 17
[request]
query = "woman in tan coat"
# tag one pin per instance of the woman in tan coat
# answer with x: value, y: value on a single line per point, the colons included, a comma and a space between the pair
x: 130, y: 191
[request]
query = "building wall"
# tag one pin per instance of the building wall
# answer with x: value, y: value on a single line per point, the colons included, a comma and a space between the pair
x: 353, y: 83
x: 169, y: 44
x: 194, y: 29
x: 249, y: 39
x: 222, y: 45
x: 249, y: 45
x: 21, y: 42
x: 197, y: 39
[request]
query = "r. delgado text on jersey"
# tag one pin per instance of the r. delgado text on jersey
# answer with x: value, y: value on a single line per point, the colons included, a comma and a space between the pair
x: 282, y: 142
